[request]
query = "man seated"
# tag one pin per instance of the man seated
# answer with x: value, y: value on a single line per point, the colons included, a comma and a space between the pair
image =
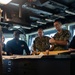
x: 16, y: 46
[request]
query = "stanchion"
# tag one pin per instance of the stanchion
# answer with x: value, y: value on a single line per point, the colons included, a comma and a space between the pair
x: 0, y: 61
x: 0, y: 51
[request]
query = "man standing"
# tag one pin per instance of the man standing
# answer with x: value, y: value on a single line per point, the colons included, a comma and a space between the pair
x: 72, y: 44
x: 16, y: 46
x: 61, y: 38
x: 3, y: 46
x: 41, y: 42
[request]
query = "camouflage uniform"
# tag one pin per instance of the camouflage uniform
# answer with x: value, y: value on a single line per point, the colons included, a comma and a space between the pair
x: 63, y: 36
x: 41, y: 44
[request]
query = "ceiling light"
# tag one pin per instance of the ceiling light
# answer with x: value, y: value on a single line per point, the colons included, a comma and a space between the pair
x: 15, y: 4
x: 69, y: 12
x: 19, y: 26
x: 26, y: 27
x: 3, y: 23
x: 16, y: 26
x: 34, y: 18
x: 4, y: 1
x: 49, y: 20
x: 10, y: 28
x: 60, y: 16
x: 33, y: 25
x: 41, y: 14
x: 41, y: 22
